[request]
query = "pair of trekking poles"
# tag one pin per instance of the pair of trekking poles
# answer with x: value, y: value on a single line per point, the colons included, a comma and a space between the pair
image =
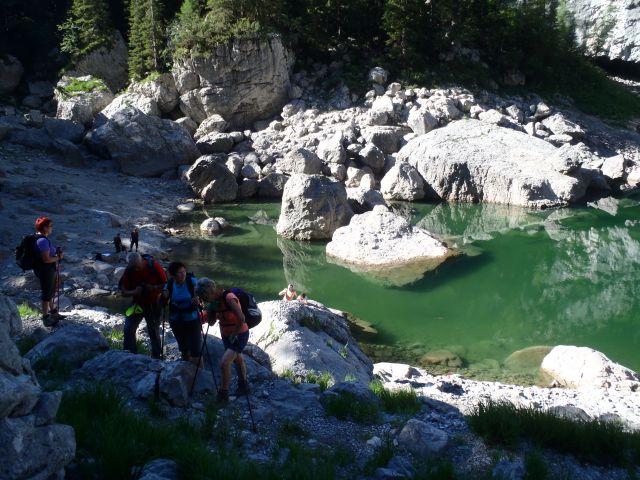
x: 202, y: 351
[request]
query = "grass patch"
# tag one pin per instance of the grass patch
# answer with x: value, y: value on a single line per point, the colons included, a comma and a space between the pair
x: 115, y: 338
x: 324, y: 380
x: 344, y: 406
x: 380, y: 457
x: 151, y: 77
x: 26, y: 310
x: 404, y: 400
x: 78, y: 87
x: 593, y: 441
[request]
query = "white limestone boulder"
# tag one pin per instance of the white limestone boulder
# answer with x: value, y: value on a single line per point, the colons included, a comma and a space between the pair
x: 583, y: 367
x: 387, y: 247
x: 471, y: 161
x: 313, y: 207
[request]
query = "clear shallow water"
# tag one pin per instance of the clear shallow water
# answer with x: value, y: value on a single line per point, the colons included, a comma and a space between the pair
x: 525, y: 278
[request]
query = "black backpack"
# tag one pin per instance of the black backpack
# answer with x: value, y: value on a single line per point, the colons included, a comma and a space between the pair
x: 27, y: 253
x: 252, y: 314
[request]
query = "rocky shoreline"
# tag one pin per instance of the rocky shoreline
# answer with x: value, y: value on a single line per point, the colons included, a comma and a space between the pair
x: 85, y: 222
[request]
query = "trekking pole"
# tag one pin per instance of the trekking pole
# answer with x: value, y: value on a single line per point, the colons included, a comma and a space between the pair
x: 58, y: 285
x: 253, y: 423
x: 164, y: 317
x: 213, y: 373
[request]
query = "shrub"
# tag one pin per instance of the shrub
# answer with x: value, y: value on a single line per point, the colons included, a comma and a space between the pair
x: 594, y: 441
x: 402, y: 400
x: 78, y: 87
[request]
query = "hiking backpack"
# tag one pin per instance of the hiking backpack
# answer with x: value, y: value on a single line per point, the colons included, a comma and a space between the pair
x: 190, y: 287
x: 150, y: 264
x: 252, y: 314
x: 27, y: 253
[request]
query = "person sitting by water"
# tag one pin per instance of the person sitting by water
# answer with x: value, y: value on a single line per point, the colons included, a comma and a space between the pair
x: 302, y: 298
x: 225, y: 306
x: 179, y: 292
x: 288, y: 293
x: 117, y: 241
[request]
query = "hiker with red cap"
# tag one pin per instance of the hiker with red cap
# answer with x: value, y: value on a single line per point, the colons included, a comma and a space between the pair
x: 46, y: 270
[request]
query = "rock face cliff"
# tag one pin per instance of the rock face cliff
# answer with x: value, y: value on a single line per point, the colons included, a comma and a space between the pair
x: 243, y: 81
x: 609, y: 28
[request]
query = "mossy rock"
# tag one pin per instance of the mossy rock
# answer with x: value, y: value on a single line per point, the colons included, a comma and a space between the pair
x: 529, y: 358
x: 441, y: 357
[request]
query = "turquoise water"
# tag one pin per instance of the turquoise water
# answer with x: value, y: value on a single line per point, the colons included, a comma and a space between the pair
x: 524, y: 278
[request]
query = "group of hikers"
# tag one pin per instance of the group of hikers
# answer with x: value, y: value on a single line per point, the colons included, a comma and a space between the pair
x: 189, y: 302
x: 121, y: 247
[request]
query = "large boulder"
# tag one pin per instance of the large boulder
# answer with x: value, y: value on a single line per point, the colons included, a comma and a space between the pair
x: 313, y: 207
x: 243, y: 80
x: 162, y: 89
x: 145, y: 104
x: 70, y: 344
x: 212, y: 180
x: 387, y: 139
x: 386, y: 246
x: 143, y: 145
x: 608, y: 28
x: 299, y: 160
x: 402, y: 182
x: 81, y: 98
x: 11, y: 71
x: 578, y: 367
x: 108, y: 63
x: 472, y: 161
x: 32, y: 446
x: 305, y: 338
x: 68, y: 130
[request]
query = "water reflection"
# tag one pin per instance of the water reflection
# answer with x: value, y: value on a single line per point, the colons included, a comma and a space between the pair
x: 299, y: 261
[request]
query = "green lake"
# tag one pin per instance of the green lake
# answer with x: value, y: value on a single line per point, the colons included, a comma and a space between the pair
x: 524, y: 278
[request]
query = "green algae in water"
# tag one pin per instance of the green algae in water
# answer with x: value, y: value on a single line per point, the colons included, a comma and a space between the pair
x: 527, y: 278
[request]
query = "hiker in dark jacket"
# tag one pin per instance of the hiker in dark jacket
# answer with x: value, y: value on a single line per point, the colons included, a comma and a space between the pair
x: 134, y: 239
x: 184, y: 317
x: 143, y: 280
x: 234, y: 332
x: 117, y: 241
x: 46, y: 270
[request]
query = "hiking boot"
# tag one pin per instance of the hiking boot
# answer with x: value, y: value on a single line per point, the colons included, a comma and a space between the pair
x: 223, y: 396
x: 56, y: 315
x: 243, y: 388
x: 49, y: 321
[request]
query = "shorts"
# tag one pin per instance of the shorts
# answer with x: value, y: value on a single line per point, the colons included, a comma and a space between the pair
x: 46, y: 273
x: 188, y: 335
x: 239, y: 344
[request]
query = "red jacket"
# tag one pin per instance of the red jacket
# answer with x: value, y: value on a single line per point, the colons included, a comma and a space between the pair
x: 153, y: 277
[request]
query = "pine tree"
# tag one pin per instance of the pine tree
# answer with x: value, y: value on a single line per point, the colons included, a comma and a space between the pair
x: 87, y: 28
x: 146, y: 38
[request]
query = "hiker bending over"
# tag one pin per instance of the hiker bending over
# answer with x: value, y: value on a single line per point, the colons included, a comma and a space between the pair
x: 225, y: 307
x: 183, y: 312
x: 117, y: 241
x: 46, y: 269
x: 134, y: 239
x: 143, y: 280
x: 288, y: 293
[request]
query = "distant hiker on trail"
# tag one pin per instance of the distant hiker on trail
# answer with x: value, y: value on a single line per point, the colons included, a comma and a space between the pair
x: 134, y: 239
x: 288, y: 293
x: 225, y: 307
x: 302, y: 298
x: 143, y: 280
x: 46, y: 269
x: 117, y: 241
x: 184, y: 317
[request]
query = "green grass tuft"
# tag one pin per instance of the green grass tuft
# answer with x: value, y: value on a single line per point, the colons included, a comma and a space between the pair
x: 26, y: 310
x: 404, y: 401
x: 344, y: 406
x: 78, y: 87
x: 593, y: 441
